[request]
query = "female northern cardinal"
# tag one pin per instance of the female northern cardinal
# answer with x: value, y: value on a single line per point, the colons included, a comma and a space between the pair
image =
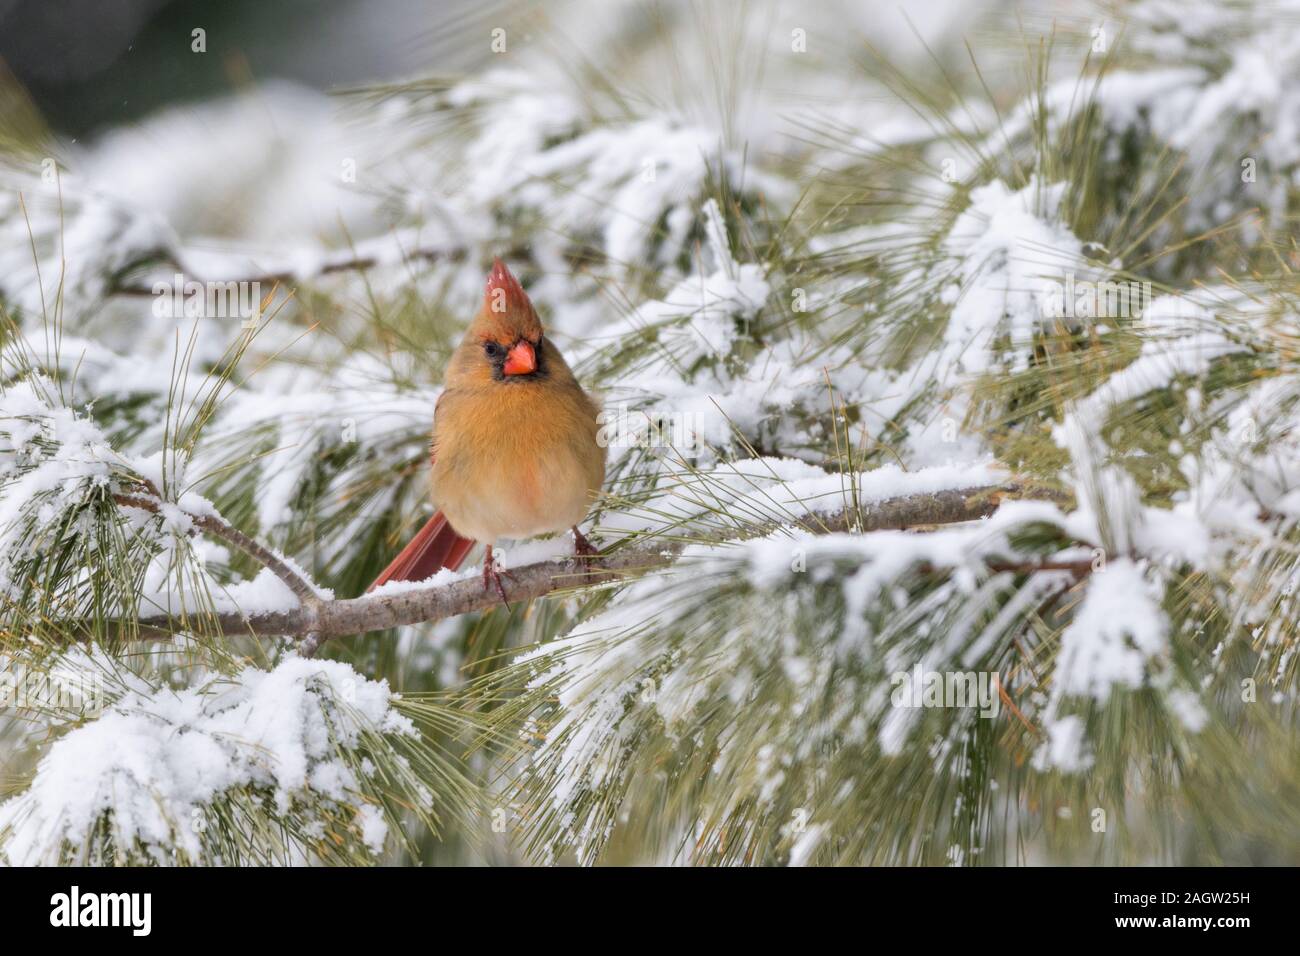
x: 514, y: 442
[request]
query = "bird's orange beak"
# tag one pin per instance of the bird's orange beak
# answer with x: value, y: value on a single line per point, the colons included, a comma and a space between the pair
x: 521, y: 359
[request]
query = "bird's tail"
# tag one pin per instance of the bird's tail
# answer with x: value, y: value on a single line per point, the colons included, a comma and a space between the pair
x: 434, y: 547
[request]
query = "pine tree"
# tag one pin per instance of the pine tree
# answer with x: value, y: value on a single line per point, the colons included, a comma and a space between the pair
x: 949, y: 515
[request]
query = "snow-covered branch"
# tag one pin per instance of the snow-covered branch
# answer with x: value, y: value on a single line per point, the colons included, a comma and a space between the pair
x: 218, y: 527
x: 374, y: 254
x: 450, y: 594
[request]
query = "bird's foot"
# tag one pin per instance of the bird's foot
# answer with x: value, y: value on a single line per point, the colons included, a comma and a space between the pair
x: 581, y: 546
x: 492, y: 575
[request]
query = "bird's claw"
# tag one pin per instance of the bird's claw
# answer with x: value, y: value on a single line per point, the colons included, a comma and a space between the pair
x: 582, y: 547
x: 492, y: 575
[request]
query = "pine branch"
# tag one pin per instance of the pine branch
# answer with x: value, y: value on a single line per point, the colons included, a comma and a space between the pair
x: 216, y: 526
x: 317, y: 620
x: 344, y: 262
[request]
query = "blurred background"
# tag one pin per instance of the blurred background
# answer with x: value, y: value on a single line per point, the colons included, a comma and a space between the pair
x: 142, y: 118
x: 89, y: 65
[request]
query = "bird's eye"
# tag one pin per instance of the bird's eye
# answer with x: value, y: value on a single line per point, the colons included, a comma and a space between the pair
x: 493, y: 349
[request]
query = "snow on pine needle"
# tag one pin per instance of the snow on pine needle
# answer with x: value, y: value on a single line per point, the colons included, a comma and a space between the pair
x: 57, y: 477
x: 810, y: 630
x: 166, y: 776
x: 572, y: 175
x: 955, y: 335
x: 790, y: 628
x: 305, y: 761
x: 64, y: 244
x: 91, y: 534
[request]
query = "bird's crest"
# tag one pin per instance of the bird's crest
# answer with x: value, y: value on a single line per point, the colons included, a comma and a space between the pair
x: 507, y: 314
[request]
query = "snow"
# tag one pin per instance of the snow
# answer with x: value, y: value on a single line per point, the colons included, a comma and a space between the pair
x: 1175, y: 347
x: 1012, y: 256
x: 374, y: 828
x: 699, y: 322
x: 50, y: 459
x: 601, y: 664
x: 1066, y: 748
x: 288, y: 175
x: 806, y: 844
x: 264, y: 594
x: 1118, y: 632
x: 154, y: 764
x: 782, y: 491
x: 62, y: 239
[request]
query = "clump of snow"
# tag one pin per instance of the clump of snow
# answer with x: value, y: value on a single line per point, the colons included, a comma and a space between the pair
x: 50, y: 459
x: 1215, y: 77
x: 1066, y: 747
x: 53, y: 458
x: 806, y: 844
x: 696, y: 326
x: 1118, y: 633
x: 153, y: 764
x: 1012, y: 254
x: 264, y: 594
x: 374, y: 827
x: 1180, y: 340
